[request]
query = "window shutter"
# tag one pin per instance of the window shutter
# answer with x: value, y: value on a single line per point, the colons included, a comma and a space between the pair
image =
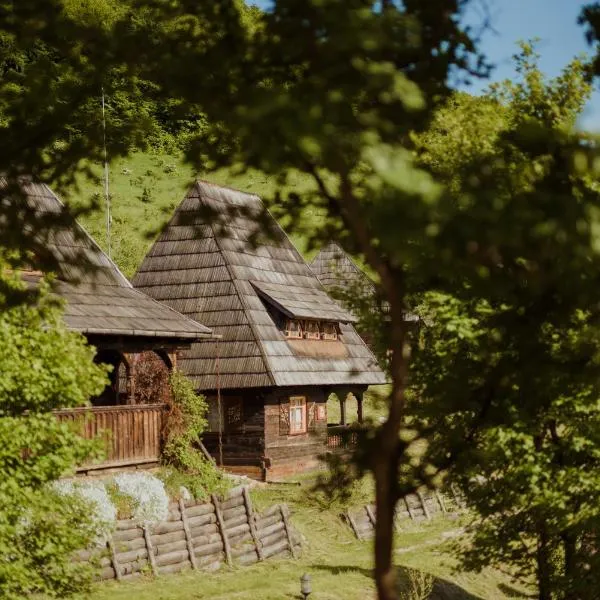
x: 284, y: 417
x: 311, y: 415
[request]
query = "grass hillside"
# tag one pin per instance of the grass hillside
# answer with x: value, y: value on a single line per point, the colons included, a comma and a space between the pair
x: 340, y: 565
x: 145, y: 189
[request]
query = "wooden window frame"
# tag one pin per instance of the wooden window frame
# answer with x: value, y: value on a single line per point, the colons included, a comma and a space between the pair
x: 291, y: 333
x: 329, y: 336
x: 304, y: 422
x: 311, y: 335
x: 229, y: 405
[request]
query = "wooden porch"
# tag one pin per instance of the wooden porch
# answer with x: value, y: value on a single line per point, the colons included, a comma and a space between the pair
x: 131, y: 434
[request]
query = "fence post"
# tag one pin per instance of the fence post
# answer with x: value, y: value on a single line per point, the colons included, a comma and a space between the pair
x: 221, y: 523
x: 150, y: 549
x: 288, y: 531
x: 423, y: 505
x: 188, y: 534
x: 113, y: 558
x: 250, y: 514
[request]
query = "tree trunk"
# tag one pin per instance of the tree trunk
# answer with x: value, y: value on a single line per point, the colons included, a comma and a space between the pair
x: 386, y: 472
x: 544, y: 569
x: 385, y: 463
x: 569, y: 541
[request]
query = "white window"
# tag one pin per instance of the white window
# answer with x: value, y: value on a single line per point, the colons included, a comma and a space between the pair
x: 297, y: 414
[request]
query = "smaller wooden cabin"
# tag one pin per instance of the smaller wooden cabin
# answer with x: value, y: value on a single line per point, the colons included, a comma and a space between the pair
x: 342, y: 278
x: 124, y: 325
x: 285, y: 344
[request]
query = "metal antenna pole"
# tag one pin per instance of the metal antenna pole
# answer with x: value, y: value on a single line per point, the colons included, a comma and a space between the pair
x: 106, y: 191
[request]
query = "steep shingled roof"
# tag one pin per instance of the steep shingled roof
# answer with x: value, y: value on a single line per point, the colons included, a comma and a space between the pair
x: 335, y: 269
x: 216, y: 274
x: 99, y: 299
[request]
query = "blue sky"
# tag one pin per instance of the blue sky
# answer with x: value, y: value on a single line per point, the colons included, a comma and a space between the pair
x: 553, y: 21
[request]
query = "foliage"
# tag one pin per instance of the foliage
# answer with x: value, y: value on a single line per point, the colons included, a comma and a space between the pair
x: 418, y: 585
x: 97, y: 502
x: 150, y: 502
x: 151, y: 379
x: 511, y: 350
x: 43, y: 367
x: 186, y: 420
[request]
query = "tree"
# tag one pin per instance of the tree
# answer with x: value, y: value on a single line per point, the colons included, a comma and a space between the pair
x: 512, y: 352
x: 43, y: 367
x: 334, y: 89
x: 341, y: 91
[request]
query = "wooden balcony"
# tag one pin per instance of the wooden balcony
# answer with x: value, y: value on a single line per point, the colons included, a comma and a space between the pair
x: 131, y: 434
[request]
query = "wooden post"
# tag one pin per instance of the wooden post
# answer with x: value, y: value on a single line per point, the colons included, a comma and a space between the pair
x: 423, y: 505
x: 188, y: 534
x: 441, y: 502
x: 207, y: 454
x: 113, y: 559
x: 353, y: 525
x: 129, y: 360
x: 342, y: 409
x: 221, y: 524
x: 370, y: 515
x: 288, y: 531
x: 252, y: 523
x: 409, y: 509
x: 359, y: 406
x: 150, y: 549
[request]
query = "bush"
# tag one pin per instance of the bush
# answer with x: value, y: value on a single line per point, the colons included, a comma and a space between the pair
x: 43, y: 367
x: 185, y: 423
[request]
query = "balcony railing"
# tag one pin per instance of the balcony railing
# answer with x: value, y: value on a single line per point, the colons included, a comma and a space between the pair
x: 342, y: 437
x: 131, y: 434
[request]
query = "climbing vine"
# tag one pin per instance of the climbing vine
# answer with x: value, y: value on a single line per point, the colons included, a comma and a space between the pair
x: 186, y: 421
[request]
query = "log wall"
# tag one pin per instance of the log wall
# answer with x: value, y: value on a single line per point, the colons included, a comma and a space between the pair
x: 197, y: 536
x: 421, y: 506
x: 288, y: 454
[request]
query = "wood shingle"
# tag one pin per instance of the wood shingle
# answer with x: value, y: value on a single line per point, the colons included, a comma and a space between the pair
x: 227, y: 280
x: 99, y: 298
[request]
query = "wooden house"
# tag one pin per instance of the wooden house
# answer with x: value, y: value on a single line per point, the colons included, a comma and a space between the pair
x: 342, y: 278
x: 285, y: 346
x: 122, y: 323
x: 339, y: 273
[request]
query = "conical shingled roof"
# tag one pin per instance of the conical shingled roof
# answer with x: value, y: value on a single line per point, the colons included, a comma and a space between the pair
x: 100, y: 300
x: 335, y: 269
x: 214, y: 273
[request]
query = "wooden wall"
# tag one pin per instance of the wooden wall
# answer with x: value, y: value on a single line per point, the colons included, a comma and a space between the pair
x: 131, y: 434
x: 197, y: 535
x: 286, y: 453
x: 243, y: 441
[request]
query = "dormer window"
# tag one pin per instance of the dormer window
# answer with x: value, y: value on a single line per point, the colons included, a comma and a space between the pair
x: 329, y: 331
x: 293, y: 329
x: 312, y: 330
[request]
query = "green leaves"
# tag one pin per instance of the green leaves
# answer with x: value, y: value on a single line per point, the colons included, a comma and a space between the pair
x: 43, y: 367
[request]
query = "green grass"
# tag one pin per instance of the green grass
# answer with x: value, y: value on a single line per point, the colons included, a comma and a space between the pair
x: 340, y: 565
x: 374, y: 405
x: 145, y: 189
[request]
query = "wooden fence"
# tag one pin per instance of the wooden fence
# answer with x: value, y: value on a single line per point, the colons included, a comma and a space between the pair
x: 131, y: 434
x: 414, y: 507
x: 198, y: 536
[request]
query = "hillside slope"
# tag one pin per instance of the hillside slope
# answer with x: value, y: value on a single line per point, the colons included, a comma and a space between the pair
x: 145, y: 190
